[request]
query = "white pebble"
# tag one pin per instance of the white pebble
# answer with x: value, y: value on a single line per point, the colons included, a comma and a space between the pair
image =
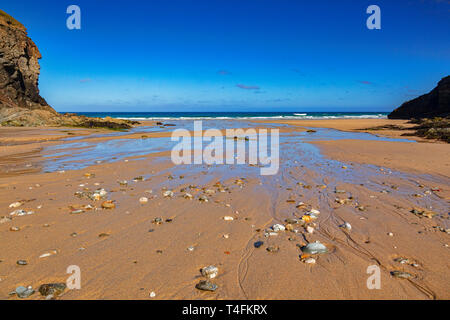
x: 310, y: 261
x: 15, y: 204
x: 143, y: 200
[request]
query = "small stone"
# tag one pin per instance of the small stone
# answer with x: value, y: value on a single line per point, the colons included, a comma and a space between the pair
x: 347, y: 226
x: 5, y: 219
x: 143, y: 200
x: 157, y: 221
x: 168, y: 194
x: 210, y: 272
x: 390, y: 234
x: 188, y: 196
x: 228, y: 218
x: 278, y: 227
x: 109, y: 204
x: 103, y: 235
x: 20, y: 213
x: 54, y: 289
x: 203, y: 199
x: 310, y: 261
x: 315, y: 248
x: 309, y: 229
x: 258, y: 244
x: 15, y: 204
x: 423, y: 213
x: 22, y: 262
x: 206, y: 286
x: 23, y: 292
x: 47, y: 254
x: 14, y: 229
x: 401, y: 274
x: 152, y: 294
x: 273, y: 249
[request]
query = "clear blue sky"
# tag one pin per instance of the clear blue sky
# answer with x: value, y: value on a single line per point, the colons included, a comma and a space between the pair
x: 236, y: 55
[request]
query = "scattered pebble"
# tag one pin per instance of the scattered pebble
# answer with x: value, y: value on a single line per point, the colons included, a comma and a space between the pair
x: 278, y: 227
x: 423, y: 213
x: 206, y: 286
x: 346, y: 226
x: 309, y: 229
x: 143, y: 200
x: 109, y: 204
x: 15, y: 204
x: 314, y: 248
x: 210, y: 272
x: 168, y: 194
x: 401, y: 274
x: 273, y: 249
x: 258, y: 244
x: 188, y: 196
x: 52, y: 290
x: 309, y: 260
x: 23, y: 292
x: 48, y: 254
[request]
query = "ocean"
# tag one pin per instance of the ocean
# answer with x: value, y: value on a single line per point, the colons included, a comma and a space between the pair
x: 235, y: 115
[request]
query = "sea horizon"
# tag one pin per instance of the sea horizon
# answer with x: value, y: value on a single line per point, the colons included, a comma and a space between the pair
x: 223, y: 115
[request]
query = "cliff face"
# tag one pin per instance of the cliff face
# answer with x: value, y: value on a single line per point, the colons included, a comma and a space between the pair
x: 433, y: 104
x: 19, y: 71
x: 20, y: 101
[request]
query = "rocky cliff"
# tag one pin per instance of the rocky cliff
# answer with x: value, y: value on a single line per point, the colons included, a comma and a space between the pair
x: 433, y: 104
x: 20, y: 101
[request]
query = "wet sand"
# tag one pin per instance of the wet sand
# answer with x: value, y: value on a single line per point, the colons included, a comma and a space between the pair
x: 122, y: 254
x: 353, y: 125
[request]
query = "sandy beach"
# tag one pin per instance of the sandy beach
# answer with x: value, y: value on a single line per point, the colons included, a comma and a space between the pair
x: 155, y: 249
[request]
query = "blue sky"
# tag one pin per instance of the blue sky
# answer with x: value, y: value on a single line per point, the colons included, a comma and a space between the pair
x: 230, y: 55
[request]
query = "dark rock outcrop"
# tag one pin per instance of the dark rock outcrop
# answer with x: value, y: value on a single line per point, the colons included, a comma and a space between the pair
x: 20, y: 101
x: 430, y: 105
